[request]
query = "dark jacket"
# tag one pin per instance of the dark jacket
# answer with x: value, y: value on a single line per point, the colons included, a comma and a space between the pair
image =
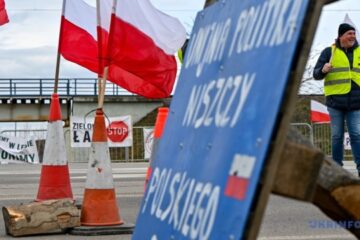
x: 346, y: 102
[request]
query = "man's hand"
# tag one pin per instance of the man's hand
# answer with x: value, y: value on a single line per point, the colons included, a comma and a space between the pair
x: 326, y: 68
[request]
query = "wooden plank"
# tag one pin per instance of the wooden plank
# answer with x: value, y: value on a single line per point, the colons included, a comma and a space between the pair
x: 307, y: 35
x: 337, y: 191
x: 338, y: 195
x: 209, y: 2
x: 330, y: 1
x: 53, y: 216
x: 298, y: 171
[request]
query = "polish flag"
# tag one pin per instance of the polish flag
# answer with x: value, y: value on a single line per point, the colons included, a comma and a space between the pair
x: 239, y: 175
x: 3, y: 14
x: 103, y: 28
x: 79, y: 32
x: 319, y: 112
x: 78, y: 37
x: 141, y: 48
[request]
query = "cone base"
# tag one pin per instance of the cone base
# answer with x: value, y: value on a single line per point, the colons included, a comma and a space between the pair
x: 54, y: 183
x: 126, y: 228
x: 99, y: 208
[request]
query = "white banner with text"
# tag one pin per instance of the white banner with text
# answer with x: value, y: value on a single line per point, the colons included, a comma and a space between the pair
x: 18, y: 150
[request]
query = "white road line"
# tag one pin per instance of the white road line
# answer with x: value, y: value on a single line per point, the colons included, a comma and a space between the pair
x: 31, y: 198
x: 309, y: 237
x: 117, y: 176
x: 75, y: 171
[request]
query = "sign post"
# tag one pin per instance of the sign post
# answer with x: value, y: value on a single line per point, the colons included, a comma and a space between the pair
x: 228, y: 120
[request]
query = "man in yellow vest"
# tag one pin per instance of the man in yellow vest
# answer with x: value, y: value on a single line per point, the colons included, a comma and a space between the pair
x: 339, y: 65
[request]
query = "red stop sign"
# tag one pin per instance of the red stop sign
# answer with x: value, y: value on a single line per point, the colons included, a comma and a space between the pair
x: 117, y: 131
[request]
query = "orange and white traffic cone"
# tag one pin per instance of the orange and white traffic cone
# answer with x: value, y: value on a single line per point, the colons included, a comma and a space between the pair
x: 55, y: 178
x: 159, y: 128
x: 99, y: 206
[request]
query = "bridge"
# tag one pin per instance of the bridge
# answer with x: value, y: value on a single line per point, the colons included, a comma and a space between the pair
x: 25, y: 99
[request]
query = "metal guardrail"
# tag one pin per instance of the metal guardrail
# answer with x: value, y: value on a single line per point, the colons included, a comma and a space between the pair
x: 305, y: 129
x: 320, y: 135
x: 68, y: 87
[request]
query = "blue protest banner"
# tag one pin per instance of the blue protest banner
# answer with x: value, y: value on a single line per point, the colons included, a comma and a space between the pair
x: 221, y: 120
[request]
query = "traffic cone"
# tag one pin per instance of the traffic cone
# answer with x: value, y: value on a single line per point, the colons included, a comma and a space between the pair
x: 54, y: 178
x: 159, y: 128
x: 99, y: 206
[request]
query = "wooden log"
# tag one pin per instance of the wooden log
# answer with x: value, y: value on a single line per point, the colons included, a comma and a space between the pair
x: 338, y: 195
x: 209, y: 2
x: 53, y: 216
x: 335, y: 190
x: 298, y: 171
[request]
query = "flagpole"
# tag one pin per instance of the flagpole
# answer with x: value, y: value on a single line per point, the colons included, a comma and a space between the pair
x: 103, y: 87
x: 106, y: 68
x: 99, y: 43
x: 332, y: 53
x: 57, y: 70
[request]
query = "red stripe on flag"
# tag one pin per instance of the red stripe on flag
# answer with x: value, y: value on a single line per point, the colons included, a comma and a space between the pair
x: 137, y: 64
x: 319, y: 117
x: 78, y: 46
x: 3, y: 14
x: 236, y: 187
x: 103, y: 37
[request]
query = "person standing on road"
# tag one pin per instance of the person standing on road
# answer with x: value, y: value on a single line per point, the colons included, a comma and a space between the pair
x: 339, y: 64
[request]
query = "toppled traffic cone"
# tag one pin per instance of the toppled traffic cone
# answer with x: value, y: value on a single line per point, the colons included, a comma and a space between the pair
x: 159, y: 128
x: 54, y: 178
x: 99, y: 208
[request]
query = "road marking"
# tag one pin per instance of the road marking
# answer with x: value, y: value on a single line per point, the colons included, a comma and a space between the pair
x: 135, y: 195
x: 309, y: 237
x: 117, y: 176
x: 75, y: 171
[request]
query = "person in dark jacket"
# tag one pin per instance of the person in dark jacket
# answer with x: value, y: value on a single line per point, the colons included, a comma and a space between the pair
x: 339, y: 65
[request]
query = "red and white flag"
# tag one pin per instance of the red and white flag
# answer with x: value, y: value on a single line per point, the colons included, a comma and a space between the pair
x: 141, y: 48
x: 319, y: 112
x: 239, y: 175
x: 79, y: 33
x: 103, y: 28
x: 3, y: 14
x: 78, y: 38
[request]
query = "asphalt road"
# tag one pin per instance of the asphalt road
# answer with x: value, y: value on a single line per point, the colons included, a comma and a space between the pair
x: 284, y: 218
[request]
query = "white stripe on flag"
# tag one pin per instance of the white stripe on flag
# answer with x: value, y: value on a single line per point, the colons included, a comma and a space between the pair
x: 318, y: 107
x: 167, y: 32
x: 82, y: 15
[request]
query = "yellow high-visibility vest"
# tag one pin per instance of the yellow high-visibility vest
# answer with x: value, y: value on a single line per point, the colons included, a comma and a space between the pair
x: 338, y: 80
x: 180, y: 55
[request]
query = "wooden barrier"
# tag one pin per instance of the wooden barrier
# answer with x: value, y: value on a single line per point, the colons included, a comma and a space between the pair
x: 305, y: 174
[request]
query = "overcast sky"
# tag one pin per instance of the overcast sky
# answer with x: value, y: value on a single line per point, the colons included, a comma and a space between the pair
x: 28, y: 44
